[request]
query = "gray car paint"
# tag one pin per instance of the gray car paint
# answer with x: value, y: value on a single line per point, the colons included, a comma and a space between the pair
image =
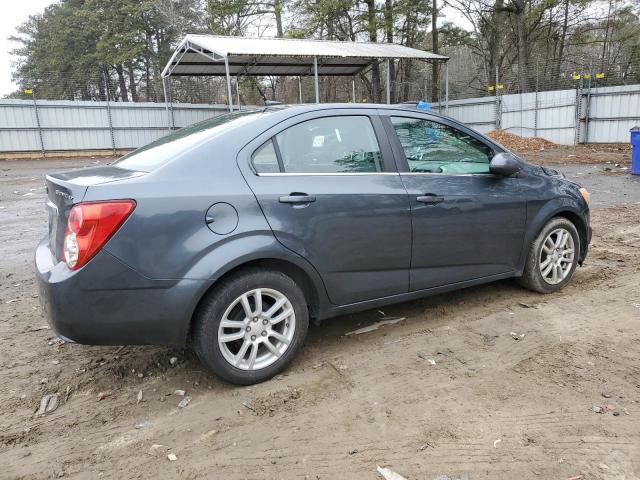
x: 357, y: 232
x: 450, y: 243
x: 351, y: 248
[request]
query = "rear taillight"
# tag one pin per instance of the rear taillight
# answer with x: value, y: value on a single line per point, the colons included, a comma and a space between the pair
x: 89, y: 227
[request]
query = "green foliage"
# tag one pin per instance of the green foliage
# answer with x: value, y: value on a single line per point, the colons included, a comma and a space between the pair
x: 116, y: 49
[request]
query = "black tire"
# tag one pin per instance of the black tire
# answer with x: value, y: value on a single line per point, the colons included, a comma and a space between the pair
x: 532, y: 277
x: 213, y: 307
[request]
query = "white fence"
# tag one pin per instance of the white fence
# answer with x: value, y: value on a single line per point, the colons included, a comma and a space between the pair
x: 60, y: 125
x: 568, y: 117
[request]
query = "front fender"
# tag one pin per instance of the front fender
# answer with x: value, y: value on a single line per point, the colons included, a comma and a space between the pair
x: 539, y: 213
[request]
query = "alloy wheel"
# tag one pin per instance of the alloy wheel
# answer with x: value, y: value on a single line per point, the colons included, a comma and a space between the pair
x: 256, y: 329
x: 556, y: 256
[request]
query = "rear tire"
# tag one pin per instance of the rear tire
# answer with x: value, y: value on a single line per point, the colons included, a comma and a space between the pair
x: 552, y: 257
x: 251, y: 326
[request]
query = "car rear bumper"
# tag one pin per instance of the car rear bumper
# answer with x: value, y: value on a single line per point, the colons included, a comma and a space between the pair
x: 108, y: 303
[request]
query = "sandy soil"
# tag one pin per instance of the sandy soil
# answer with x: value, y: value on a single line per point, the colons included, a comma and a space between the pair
x: 491, y: 407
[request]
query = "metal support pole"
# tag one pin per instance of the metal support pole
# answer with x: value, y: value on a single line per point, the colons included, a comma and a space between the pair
x: 35, y: 109
x: 170, y: 90
x: 353, y: 89
x: 166, y: 103
x: 578, y: 116
x: 113, y: 141
x: 587, y: 111
x: 315, y: 75
x: 446, y: 88
x: 300, y: 89
x: 238, y: 92
x: 229, y: 94
x: 388, y: 81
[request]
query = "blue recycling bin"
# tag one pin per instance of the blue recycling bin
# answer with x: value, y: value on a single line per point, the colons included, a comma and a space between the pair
x: 635, y: 151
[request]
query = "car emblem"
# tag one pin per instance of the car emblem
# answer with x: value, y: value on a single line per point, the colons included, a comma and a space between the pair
x: 64, y: 195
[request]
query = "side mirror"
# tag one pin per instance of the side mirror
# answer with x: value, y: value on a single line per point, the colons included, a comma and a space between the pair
x: 504, y: 164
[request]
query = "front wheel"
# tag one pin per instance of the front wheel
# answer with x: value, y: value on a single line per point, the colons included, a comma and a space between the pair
x: 250, y: 327
x: 552, y: 258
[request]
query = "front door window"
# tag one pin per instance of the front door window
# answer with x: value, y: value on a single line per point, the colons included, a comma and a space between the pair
x: 432, y: 147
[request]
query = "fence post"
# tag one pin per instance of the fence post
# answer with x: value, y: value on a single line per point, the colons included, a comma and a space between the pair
x: 35, y: 109
x: 535, y: 112
x: 578, y: 116
x: 587, y: 110
x: 107, y: 88
x: 498, y: 103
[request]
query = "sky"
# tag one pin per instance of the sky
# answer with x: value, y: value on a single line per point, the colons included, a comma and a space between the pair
x: 15, y: 13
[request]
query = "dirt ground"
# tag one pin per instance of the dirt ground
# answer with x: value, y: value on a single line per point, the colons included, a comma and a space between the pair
x: 448, y: 393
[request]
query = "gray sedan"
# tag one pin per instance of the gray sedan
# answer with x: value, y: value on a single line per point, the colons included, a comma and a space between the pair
x: 230, y: 235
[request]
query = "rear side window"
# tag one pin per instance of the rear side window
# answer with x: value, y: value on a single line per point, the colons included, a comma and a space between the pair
x: 161, y: 151
x: 342, y: 144
x: 265, y: 159
x: 432, y: 147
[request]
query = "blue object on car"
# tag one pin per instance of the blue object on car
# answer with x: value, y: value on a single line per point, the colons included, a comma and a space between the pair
x: 422, y: 105
x: 635, y: 151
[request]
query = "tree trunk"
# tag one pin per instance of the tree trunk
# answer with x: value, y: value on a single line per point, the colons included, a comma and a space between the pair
x: 147, y: 76
x: 523, y: 47
x: 408, y: 68
x: 435, y: 72
x: 372, y: 27
x: 102, y: 86
x: 494, y: 39
x: 277, y: 11
x: 123, y: 85
x: 603, y: 62
x: 563, y: 39
x: 388, y: 28
x: 132, y: 83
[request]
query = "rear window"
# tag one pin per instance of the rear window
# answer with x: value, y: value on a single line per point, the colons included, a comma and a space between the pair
x: 161, y: 151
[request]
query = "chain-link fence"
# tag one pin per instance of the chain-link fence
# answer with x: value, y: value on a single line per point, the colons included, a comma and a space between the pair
x: 567, y: 105
x: 468, y: 77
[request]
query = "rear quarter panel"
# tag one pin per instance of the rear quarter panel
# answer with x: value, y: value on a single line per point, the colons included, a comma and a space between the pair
x: 166, y: 236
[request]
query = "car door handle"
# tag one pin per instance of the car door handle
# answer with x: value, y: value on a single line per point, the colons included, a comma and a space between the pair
x: 297, y: 198
x: 430, y: 199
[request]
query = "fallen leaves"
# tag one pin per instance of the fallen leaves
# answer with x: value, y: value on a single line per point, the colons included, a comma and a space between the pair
x: 518, y: 143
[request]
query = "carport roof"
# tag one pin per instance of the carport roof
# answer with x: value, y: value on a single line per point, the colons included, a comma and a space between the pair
x: 204, y: 55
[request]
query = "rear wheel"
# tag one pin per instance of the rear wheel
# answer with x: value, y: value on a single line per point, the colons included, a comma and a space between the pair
x: 552, y: 258
x: 251, y: 326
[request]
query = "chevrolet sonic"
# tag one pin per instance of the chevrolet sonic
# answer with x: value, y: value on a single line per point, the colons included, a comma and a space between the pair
x: 230, y: 235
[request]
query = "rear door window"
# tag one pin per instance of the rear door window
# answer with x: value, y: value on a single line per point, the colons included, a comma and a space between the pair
x: 432, y: 147
x: 265, y: 159
x: 165, y: 149
x: 340, y: 144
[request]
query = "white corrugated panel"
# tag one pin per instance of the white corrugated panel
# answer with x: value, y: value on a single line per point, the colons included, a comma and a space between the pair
x: 70, y: 125
x: 266, y: 46
x: 205, y: 55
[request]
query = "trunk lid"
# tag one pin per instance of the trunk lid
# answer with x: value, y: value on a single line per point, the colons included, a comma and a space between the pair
x: 65, y: 189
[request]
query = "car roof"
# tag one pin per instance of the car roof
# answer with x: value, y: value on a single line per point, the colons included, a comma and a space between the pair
x: 313, y: 107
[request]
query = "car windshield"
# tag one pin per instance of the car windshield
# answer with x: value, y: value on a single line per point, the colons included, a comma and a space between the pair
x: 160, y: 151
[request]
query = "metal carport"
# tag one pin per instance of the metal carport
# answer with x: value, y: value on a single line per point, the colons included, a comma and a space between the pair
x: 212, y: 55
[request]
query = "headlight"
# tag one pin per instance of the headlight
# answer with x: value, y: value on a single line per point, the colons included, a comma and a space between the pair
x: 585, y: 194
